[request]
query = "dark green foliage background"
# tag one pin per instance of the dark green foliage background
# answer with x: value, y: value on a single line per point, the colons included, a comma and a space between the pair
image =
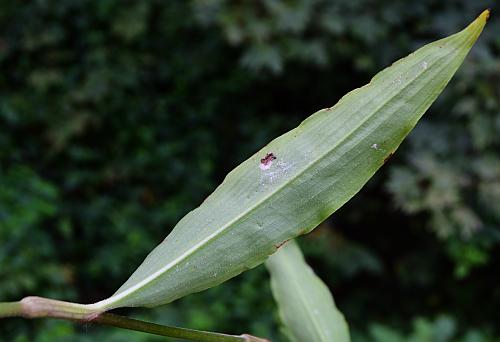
x: 118, y: 117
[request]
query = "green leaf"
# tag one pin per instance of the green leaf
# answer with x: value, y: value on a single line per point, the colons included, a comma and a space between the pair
x: 306, y: 305
x: 319, y: 166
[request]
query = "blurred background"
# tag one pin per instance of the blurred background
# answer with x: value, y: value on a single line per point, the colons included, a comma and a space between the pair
x: 119, y: 117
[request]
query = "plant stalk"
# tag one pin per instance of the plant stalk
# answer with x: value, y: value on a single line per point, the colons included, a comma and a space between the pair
x: 162, y: 330
x: 38, y: 307
x: 10, y: 309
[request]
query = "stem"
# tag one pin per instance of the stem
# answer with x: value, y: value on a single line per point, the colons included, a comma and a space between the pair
x: 38, y: 307
x: 10, y: 309
x: 157, y: 329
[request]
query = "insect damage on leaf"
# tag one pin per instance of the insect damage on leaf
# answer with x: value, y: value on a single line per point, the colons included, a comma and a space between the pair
x: 267, y: 161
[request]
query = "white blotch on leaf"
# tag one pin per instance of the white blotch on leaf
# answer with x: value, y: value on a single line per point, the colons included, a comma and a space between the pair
x: 278, y: 172
x: 266, y: 166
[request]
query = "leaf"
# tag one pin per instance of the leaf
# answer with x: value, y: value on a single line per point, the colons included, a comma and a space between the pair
x: 305, y: 304
x: 312, y: 171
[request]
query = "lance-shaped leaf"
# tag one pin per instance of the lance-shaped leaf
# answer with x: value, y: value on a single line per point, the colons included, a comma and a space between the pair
x: 296, y: 181
x: 306, y: 306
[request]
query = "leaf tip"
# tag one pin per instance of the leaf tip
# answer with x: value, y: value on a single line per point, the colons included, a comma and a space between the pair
x: 485, y: 15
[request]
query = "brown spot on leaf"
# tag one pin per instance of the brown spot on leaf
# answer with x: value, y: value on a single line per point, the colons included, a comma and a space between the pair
x: 266, y: 162
x: 268, y: 158
x: 388, y: 157
x: 281, y: 244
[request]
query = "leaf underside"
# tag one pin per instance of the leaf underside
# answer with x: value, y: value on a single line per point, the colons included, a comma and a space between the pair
x: 295, y: 182
x: 306, y: 306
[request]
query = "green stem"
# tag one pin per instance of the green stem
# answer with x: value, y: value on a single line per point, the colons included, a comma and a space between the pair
x: 38, y: 307
x: 10, y: 309
x: 152, y: 328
